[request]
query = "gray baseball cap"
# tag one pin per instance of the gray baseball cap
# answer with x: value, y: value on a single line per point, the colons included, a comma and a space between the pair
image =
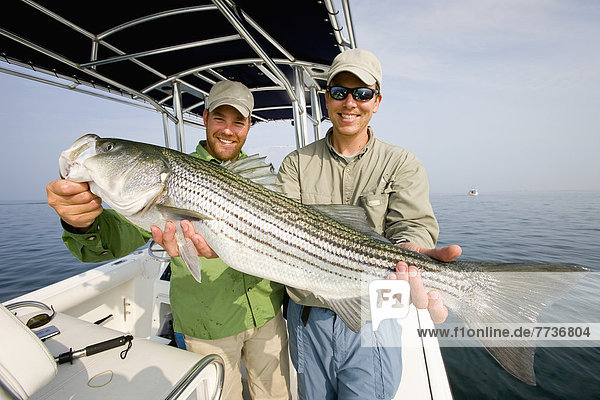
x: 233, y: 94
x: 359, y: 62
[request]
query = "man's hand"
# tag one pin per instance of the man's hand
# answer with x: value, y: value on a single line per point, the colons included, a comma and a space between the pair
x: 420, y: 298
x: 168, y: 241
x: 445, y: 254
x: 74, y: 202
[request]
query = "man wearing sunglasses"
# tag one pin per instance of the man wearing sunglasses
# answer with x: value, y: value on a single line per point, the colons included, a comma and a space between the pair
x: 351, y: 166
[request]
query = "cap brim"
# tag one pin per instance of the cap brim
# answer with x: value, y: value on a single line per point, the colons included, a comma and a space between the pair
x: 233, y: 103
x: 360, y: 73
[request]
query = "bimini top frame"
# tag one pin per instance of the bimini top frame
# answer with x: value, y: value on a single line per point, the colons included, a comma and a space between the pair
x: 166, y: 55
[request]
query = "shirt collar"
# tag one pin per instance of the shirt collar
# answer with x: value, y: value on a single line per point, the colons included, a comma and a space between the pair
x: 366, y: 148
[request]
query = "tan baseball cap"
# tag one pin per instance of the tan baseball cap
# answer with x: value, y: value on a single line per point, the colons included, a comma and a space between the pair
x: 359, y: 62
x: 233, y: 94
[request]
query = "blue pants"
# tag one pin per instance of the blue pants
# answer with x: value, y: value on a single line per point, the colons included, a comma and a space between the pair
x: 335, y: 363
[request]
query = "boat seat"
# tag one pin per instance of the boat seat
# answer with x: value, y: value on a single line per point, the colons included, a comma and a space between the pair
x: 25, y: 363
x: 150, y: 370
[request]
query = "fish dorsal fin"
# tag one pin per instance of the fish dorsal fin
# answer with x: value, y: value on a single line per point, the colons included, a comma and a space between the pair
x: 255, y: 169
x: 351, y: 216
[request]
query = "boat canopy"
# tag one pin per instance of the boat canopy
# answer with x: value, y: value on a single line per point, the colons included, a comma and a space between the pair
x: 167, y: 55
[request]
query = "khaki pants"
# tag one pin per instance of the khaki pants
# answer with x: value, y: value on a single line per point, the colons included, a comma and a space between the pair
x: 265, y: 355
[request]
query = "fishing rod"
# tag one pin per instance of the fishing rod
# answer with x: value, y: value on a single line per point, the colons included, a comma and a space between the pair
x: 95, y: 348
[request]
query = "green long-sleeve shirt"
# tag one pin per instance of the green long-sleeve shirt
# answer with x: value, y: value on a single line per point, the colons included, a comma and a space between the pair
x: 226, y: 303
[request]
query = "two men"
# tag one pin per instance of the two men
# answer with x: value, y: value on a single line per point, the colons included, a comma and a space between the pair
x: 349, y: 166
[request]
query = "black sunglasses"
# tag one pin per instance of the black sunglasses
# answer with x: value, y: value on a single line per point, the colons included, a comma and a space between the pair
x: 37, y: 320
x: 359, y: 94
x: 40, y: 319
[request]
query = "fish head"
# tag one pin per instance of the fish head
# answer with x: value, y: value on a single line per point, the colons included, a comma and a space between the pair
x: 128, y: 176
x: 70, y: 160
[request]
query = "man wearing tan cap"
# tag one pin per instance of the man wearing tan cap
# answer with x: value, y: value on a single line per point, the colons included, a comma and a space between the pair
x: 235, y: 315
x: 351, y: 166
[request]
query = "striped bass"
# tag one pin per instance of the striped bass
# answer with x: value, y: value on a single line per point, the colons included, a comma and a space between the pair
x: 258, y: 231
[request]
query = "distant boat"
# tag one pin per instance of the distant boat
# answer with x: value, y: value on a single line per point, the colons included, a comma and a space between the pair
x: 473, y: 192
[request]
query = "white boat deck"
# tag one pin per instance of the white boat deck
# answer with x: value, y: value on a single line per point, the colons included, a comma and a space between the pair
x: 131, y: 290
x: 150, y: 370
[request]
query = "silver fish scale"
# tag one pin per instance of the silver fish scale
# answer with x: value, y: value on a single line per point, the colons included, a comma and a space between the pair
x: 248, y: 223
x: 262, y: 233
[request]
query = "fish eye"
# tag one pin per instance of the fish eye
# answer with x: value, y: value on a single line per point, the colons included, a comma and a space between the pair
x: 109, y: 146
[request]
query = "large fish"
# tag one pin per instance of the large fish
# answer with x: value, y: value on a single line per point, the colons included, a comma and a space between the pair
x: 257, y: 231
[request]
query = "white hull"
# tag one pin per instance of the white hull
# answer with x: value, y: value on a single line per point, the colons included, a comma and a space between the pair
x: 131, y: 290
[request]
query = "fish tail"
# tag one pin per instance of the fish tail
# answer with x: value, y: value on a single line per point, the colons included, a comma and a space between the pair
x: 512, y: 294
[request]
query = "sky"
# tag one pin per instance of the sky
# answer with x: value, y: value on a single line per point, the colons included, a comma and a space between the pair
x: 497, y: 95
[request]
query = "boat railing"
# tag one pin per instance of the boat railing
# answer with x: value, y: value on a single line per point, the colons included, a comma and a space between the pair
x: 261, y: 59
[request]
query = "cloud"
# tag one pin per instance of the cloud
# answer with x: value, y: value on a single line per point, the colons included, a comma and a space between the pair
x: 508, y: 43
x: 499, y: 85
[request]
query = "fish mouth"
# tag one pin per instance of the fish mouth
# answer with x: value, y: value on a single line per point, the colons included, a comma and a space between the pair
x: 71, y: 159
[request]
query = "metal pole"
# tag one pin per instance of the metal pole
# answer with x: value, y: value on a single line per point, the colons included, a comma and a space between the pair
x: 349, y: 25
x: 179, y: 114
x: 316, y: 112
x: 68, y: 62
x: 297, y: 125
x: 337, y: 29
x: 161, y: 50
x: 165, y: 119
x: 301, y: 128
x: 232, y: 18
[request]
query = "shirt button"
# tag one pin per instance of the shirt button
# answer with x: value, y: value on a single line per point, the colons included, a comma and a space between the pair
x: 91, y: 238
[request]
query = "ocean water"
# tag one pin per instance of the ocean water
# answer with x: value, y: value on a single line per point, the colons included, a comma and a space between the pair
x: 509, y: 227
x: 540, y: 227
x: 32, y: 253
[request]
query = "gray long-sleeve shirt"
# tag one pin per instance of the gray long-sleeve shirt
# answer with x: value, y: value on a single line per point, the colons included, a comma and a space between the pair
x: 389, y: 182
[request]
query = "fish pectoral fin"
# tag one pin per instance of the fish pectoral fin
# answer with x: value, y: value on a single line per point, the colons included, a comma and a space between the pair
x: 188, y: 253
x: 174, y: 213
x: 350, y: 310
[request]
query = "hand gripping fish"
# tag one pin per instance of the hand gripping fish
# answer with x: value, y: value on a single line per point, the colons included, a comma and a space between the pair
x: 260, y: 232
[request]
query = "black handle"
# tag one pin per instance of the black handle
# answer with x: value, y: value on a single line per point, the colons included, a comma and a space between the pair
x: 65, y: 357
x: 95, y: 348
x: 107, y: 345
